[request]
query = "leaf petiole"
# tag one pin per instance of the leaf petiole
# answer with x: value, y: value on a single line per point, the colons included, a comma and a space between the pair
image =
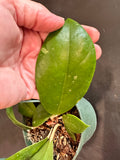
x: 52, y: 132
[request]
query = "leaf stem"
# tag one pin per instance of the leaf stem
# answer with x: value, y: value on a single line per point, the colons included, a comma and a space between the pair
x: 53, y: 116
x: 52, y: 132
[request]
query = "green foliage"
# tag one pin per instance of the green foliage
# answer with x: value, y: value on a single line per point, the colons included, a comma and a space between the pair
x: 45, y: 153
x: 10, y: 114
x: 28, y: 152
x: 65, y: 67
x: 27, y: 109
x: 73, y: 124
x: 40, y: 116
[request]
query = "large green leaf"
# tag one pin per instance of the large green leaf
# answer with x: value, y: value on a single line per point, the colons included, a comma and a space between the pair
x: 73, y: 124
x: 87, y: 115
x: 40, y: 116
x: 11, y: 116
x: 28, y: 152
x: 27, y: 109
x: 65, y: 67
x: 45, y: 153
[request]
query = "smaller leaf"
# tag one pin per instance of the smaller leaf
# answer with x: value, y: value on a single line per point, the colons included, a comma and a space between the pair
x: 72, y: 135
x: 40, y: 116
x: 74, y: 124
x: 11, y: 116
x: 27, y: 109
x: 45, y: 153
x: 28, y: 152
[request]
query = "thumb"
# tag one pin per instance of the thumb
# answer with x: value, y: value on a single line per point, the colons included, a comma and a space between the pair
x: 35, y: 16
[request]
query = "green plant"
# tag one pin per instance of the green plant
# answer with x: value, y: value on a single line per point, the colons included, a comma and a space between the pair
x: 64, y: 71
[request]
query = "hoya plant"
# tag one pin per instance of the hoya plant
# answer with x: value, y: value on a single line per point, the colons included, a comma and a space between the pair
x: 64, y: 71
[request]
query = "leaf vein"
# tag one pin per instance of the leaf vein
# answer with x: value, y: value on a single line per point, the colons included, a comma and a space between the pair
x: 67, y: 69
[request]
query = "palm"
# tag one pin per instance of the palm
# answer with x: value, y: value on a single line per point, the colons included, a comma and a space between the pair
x: 28, y: 56
x: 20, y: 46
x: 18, y: 66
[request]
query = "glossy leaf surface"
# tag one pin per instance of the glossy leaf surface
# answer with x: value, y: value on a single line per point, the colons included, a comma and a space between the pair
x: 45, y: 153
x: 27, y: 109
x: 73, y: 124
x: 28, y: 152
x: 40, y: 116
x: 11, y: 116
x: 65, y: 67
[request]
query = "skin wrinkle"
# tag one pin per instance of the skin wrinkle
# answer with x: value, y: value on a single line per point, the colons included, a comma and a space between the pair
x: 25, y: 17
x: 43, y: 15
x: 36, y: 18
x: 27, y: 10
x: 28, y: 82
x: 17, y: 13
x: 26, y: 71
x: 11, y: 47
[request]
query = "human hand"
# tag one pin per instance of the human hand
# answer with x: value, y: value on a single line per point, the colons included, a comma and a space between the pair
x: 24, y: 27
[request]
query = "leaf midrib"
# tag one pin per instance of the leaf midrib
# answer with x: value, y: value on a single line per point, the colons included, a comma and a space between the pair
x: 67, y: 69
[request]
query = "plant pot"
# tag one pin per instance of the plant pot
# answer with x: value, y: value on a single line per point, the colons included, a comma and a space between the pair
x: 88, y: 115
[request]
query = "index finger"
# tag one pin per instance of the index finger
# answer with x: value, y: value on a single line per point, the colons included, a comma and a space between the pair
x: 33, y: 15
